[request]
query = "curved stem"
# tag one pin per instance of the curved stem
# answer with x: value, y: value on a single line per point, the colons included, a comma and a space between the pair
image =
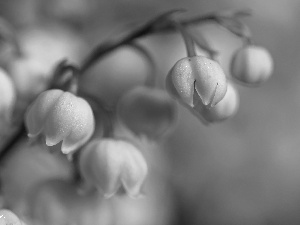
x: 62, y: 81
x: 188, y: 40
x: 190, y: 45
x: 160, y: 23
x: 201, y: 42
x: 152, y: 26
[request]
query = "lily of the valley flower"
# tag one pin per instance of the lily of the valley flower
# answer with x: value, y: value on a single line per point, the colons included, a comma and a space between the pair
x: 197, y: 77
x: 8, y: 217
x: 107, y: 164
x: 61, y: 116
x: 252, y: 65
x: 8, y: 96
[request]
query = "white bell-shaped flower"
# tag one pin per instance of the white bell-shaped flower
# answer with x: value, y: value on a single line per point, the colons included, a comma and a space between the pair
x: 61, y: 116
x: 108, y: 163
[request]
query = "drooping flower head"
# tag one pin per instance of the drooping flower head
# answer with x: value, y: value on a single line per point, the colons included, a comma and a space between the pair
x: 252, y: 65
x: 107, y: 164
x: 58, y: 201
x: 60, y: 116
x: 197, y: 77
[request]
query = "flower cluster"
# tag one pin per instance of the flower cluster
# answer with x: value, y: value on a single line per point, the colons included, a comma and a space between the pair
x: 83, y: 124
x: 200, y: 84
x: 105, y: 163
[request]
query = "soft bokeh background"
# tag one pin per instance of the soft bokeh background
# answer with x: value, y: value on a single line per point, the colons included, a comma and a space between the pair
x: 243, y: 171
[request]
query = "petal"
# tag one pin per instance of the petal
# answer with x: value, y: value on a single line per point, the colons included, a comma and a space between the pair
x: 70, y: 143
x: 101, y: 164
x: 37, y: 112
x: 183, y: 80
x: 83, y: 126
x: 86, y: 158
x: 210, y: 80
x: 110, y: 165
x: 134, y: 171
x: 60, y: 119
x: 8, y: 217
x: 170, y: 86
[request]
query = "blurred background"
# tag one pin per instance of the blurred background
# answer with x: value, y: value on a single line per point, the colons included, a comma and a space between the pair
x: 245, y: 170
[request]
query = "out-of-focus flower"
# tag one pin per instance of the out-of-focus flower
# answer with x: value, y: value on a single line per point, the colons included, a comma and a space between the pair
x: 197, y: 77
x: 7, y: 217
x: 29, y: 165
x: 61, y: 116
x: 147, y: 111
x: 58, y: 201
x: 252, y: 65
x: 8, y: 95
x: 107, y: 164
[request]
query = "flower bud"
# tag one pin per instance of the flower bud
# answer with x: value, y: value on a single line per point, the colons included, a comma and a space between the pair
x: 225, y: 109
x: 147, y: 111
x: 107, y: 164
x: 60, y: 116
x: 8, y: 217
x: 252, y: 65
x: 197, y: 73
x: 8, y: 96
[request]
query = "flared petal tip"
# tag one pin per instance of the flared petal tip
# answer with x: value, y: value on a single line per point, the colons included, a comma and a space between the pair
x: 67, y: 149
x: 50, y: 142
x: 32, y: 135
x: 136, y: 195
x: 109, y: 195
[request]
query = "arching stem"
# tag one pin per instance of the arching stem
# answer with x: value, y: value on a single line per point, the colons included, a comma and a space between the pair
x: 188, y: 40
